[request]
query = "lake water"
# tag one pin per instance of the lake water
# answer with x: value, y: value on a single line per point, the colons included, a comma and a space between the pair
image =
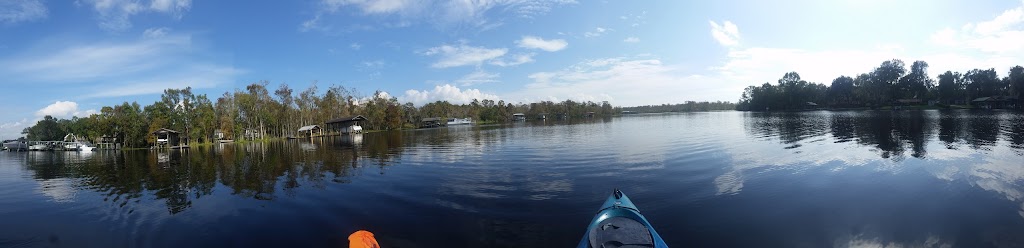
x: 719, y: 179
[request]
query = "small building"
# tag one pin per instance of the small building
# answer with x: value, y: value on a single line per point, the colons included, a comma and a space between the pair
x: 345, y: 125
x: 167, y: 138
x: 430, y: 122
x: 252, y: 134
x: 589, y: 115
x: 518, y: 117
x: 310, y: 131
x: 995, y: 102
x: 542, y: 116
x: 218, y: 134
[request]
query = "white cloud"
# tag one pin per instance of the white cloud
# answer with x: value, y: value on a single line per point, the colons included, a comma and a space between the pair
x: 533, y: 42
x: 369, y: 6
x: 440, y: 13
x: 515, y: 60
x: 631, y: 40
x: 15, y: 11
x: 11, y: 130
x: 1002, y: 34
x: 355, y: 46
x: 115, y: 15
x: 143, y: 66
x: 445, y: 92
x: 623, y: 81
x: 153, y: 33
x: 478, y: 77
x: 58, y: 109
x: 198, y: 76
x: 727, y: 34
x: 171, y: 6
x: 461, y: 55
x: 597, y: 32
x: 64, y: 109
x: 758, y: 65
x: 94, y: 61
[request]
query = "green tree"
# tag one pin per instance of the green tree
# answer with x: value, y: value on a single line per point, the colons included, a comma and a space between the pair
x: 950, y: 87
x: 982, y: 83
x: 841, y: 91
x: 885, y: 79
x: 915, y: 84
x: 1016, y: 81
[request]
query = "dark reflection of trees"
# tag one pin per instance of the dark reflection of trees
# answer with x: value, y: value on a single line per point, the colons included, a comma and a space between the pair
x: 788, y: 127
x: 876, y: 129
x: 1015, y: 132
x: 914, y: 128
x: 843, y: 127
x: 983, y: 127
x: 261, y: 171
x: 894, y: 134
x: 951, y: 129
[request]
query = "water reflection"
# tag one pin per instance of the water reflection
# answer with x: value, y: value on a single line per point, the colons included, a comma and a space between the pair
x: 844, y: 179
x: 981, y: 148
x: 178, y: 177
x: 892, y: 134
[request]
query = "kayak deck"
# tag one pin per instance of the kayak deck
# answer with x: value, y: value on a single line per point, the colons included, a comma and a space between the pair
x: 619, y: 224
x: 621, y: 232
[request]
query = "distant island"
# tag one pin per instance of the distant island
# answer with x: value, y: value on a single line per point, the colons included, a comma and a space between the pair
x: 891, y: 86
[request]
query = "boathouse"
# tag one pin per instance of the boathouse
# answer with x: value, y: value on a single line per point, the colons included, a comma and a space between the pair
x: 166, y: 137
x: 430, y: 122
x: 995, y: 102
x: 518, y: 117
x: 310, y: 131
x: 345, y: 125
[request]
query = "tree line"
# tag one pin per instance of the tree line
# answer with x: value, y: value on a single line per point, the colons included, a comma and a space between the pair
x: 688, y: 106
x: 888, y: 84
x: 258, y: 111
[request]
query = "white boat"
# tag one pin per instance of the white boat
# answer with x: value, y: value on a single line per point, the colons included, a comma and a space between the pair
x: 15, y: 146
x: 86, y: 147
x: 353, y: 129
x: 71, y: 143
x: 458, y: 121
x: 38, y: 147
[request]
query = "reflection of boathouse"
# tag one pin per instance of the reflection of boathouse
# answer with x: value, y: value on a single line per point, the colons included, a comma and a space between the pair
x: 345, y: 125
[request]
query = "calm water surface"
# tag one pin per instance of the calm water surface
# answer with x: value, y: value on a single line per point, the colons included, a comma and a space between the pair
x: 721, y: 179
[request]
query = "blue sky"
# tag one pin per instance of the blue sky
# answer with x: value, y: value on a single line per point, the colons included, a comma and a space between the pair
x: 68, y: 58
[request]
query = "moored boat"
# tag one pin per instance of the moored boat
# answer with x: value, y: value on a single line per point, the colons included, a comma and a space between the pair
x: 619, y: 224
x: 38, y: 147
x: 15, y: 146
x: 459, y: 121
x: 72, y: 143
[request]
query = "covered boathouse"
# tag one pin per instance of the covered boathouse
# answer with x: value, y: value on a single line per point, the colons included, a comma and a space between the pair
x: 345, y: 125
x: 167, y: 138
x: 310, y: 131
